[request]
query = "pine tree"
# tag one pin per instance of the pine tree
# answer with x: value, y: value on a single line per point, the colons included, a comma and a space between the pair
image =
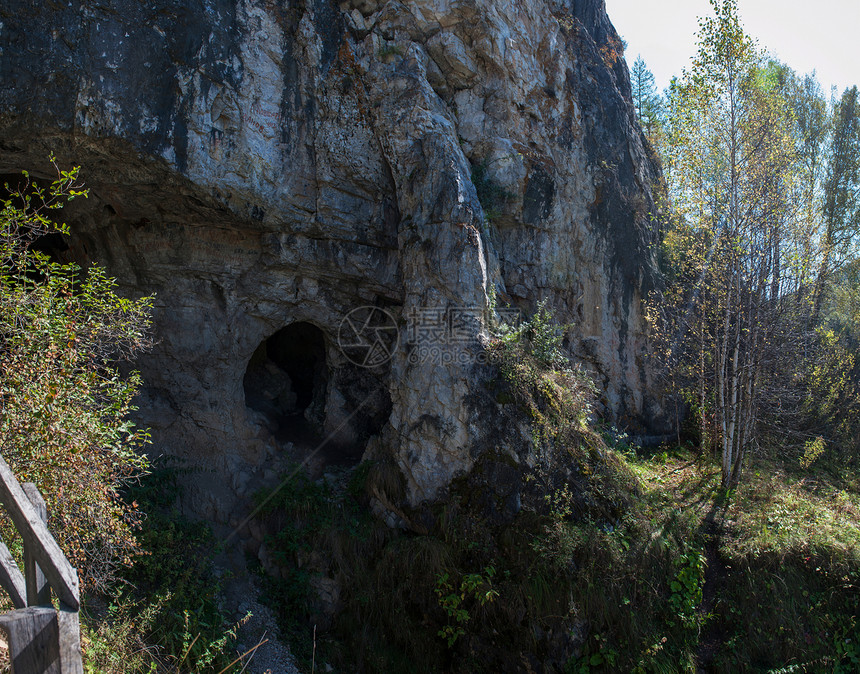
x: 646, y: 100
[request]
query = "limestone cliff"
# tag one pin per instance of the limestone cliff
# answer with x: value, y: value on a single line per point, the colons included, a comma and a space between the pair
x: 265, y: 167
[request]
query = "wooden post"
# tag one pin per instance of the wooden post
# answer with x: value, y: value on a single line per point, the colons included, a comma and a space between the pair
x: 33, y: 640
x: 11, y: 578
x: 41, y: 639
x: 68, y: 635
x: 60, y: 574
x: 69, y: 640
x: 38, y: 590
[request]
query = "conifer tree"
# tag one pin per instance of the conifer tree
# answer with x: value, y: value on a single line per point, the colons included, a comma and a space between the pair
x: 646, y: 100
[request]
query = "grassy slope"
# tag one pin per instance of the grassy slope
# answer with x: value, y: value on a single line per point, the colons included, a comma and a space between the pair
x: 786, y: 567
x: 764, y: 580
x: 585, y: 594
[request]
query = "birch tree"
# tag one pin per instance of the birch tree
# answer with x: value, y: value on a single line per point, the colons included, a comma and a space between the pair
x: 735, y: 260
x: 840, y: 213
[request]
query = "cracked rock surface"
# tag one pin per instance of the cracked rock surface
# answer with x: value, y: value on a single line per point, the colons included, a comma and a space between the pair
x: 261, y: 163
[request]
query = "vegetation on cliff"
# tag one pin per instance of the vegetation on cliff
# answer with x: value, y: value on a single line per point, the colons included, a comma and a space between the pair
x: 65, y: 336
x: 566, y: 547
x: 67, y: 342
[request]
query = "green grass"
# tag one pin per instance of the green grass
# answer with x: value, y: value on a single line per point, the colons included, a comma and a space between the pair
x: 776, y: 515
x: 793, y: 548
x: 789, y: 546
x: 164, y: 615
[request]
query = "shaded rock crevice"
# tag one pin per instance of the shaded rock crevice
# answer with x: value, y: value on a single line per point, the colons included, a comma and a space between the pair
x: 261, y: 164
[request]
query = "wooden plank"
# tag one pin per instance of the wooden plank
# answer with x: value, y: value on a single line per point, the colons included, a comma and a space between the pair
x: 11, y: 578
x: 33, y: 640
x: 70, y: 641
x: 60, y: 574
x: 38, y: 590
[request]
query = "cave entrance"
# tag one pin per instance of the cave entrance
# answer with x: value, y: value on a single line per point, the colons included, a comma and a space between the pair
x: 286, y: 382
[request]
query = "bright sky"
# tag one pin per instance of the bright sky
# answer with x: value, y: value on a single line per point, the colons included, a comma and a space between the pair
x: 821, y: 35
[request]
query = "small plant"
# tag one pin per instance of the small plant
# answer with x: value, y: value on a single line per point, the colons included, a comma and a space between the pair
x: 474, y: 586
x: 546, y: 336
x: 812, y: 450
x: 451, y: 602
x: 611, y: 51
x: 389, y: 50
x: 559, y: 503
x: 540, y: 337
x: 116, y: 644
x: 847, y: 647
x: 307, y: 506
x: 597, y: 656
x: 557, y: 398
x: 172, y: 584
x: 686, y: 588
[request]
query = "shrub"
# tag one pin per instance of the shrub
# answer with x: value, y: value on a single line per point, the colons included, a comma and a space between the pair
x: 65, y: 336
x: 164, y: 615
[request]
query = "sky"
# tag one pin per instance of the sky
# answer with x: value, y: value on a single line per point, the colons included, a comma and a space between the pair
x: 821, y: 35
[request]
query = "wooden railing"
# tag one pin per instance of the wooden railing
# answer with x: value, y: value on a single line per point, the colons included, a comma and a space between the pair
x: 41, y: 638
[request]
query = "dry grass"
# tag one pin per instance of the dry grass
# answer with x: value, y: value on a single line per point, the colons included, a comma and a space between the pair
x: 789, y: 544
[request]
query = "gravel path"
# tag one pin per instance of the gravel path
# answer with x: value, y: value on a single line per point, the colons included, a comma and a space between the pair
x: 239, y: 597
x: 272, y: 657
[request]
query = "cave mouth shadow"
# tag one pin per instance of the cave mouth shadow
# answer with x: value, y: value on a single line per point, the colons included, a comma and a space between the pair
x: 286, y: 382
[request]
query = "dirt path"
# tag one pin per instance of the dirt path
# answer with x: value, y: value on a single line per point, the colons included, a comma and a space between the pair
x: 696, y: 489
x: 712, y: 636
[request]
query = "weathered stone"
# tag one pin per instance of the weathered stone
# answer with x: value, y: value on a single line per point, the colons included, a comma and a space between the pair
x: 256, y: 530
x: 252, y: 546
x: 266, y: 561
x: 259, y: 164
x: 454, y: 61
x: 326, y: 602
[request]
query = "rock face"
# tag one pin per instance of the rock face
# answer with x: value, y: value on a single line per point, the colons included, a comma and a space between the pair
x: 267, y: 167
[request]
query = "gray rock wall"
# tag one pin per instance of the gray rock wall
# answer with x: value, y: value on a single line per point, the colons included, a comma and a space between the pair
x: 258, y: 163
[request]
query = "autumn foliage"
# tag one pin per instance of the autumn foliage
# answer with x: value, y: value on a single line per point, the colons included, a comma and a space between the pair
x: 66, y: 337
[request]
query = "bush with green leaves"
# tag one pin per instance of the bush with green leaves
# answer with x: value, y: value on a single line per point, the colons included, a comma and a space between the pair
x: 832, y: 385
x: 165, y: 613
x: 66, y: 397
x: 539, y: 375
x: 557, y: 398
x: 475, y: 588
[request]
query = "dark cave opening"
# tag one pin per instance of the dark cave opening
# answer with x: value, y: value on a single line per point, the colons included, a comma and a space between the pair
x: 286, y: 381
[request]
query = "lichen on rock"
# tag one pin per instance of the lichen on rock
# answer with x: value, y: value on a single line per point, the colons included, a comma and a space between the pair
x: 260, y: 164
